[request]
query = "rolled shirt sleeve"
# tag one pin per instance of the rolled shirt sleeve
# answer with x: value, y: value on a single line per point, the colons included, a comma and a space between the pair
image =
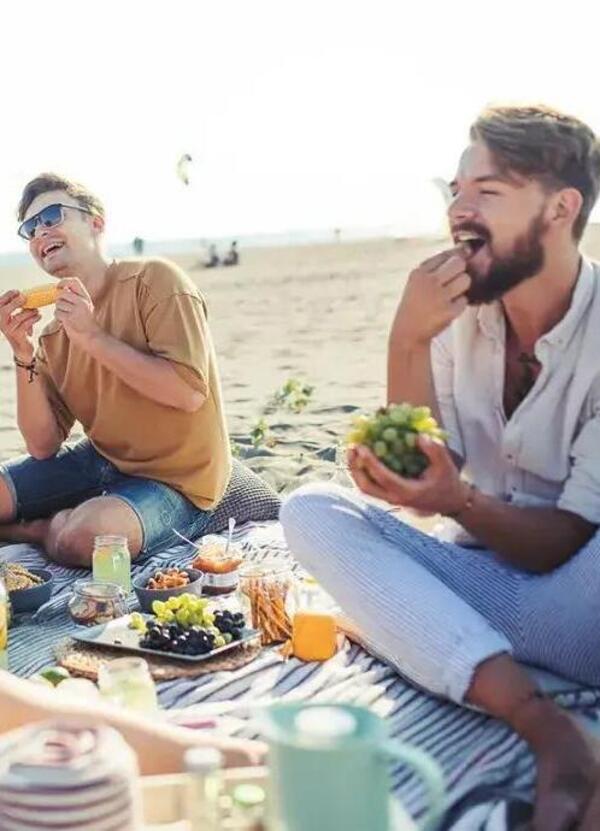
x: 442, y: 366
x: 175, y: 322
x: 581, y: 493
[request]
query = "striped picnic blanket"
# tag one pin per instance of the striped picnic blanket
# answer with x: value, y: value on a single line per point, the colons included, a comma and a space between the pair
x: 489, y: 771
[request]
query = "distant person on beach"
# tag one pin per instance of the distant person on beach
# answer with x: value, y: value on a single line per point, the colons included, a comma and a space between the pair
x: 500, y: 337
x: 232, y: 257
x: 128, y: 355
x: 138, y: 246
x: 213, y: 258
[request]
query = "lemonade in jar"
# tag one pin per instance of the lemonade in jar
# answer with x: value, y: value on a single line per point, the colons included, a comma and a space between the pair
x: 128, y: 683
x: 111, y: 561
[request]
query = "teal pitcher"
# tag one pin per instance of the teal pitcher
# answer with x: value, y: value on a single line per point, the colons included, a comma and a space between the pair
x: 329, y: 770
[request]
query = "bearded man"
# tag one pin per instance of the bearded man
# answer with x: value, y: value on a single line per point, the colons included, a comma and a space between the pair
x: 500, y: 337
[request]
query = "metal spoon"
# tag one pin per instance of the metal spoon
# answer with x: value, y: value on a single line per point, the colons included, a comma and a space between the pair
x: 185, y: 539
x: 230, y: 535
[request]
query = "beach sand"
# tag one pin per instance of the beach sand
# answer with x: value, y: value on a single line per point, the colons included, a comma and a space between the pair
x: 319, y: 313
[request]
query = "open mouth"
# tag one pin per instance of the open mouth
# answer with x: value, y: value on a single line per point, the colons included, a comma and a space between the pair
x: 472, y: 241
x: 51, y: 248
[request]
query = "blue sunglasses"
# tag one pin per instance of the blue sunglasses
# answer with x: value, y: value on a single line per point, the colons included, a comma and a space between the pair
x: 48, y: 217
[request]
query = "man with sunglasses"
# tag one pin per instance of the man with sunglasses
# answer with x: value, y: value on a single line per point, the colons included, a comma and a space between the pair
x: 129, y: 355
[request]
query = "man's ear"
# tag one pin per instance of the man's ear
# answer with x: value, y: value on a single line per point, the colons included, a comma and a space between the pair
x: 567, y: 204
x: 98, y: 223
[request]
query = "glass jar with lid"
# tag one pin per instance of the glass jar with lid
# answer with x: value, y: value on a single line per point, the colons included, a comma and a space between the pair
x: 220, y: 562
x: 94, y: 602
x: 111, y: 561
x: 263, y: 592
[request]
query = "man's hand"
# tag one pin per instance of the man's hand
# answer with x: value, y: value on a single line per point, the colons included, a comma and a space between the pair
x: 438, y: 490
x: 17, y: 326
x: 434, y: 296
x: 75, y: 310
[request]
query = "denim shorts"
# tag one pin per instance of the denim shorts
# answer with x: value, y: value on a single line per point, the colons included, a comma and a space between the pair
x: 78, y: 472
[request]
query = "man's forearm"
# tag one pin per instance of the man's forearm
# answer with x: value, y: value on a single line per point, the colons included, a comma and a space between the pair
x: 532, y: 539
x: 149, y: 375
x: 35, y: 417
x: 410, y: 375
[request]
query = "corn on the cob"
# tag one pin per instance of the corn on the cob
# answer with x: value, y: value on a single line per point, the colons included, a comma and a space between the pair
x: 40, y: 296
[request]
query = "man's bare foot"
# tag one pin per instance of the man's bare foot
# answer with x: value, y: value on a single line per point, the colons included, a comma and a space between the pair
x: 568, y: 769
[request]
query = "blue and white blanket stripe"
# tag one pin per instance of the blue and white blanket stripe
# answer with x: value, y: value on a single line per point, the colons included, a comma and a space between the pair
x: 488, y: 769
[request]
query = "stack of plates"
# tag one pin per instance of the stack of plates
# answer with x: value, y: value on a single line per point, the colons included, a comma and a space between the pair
x: 70, y: 778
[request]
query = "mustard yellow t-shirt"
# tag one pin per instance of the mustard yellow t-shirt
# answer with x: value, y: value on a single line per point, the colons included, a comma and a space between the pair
x: 154, y: 307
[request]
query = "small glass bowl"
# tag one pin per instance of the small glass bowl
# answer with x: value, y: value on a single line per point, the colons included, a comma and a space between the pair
x: 93, y: 602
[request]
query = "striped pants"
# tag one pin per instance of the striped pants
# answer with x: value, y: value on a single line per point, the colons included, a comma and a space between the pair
x: 435, y: 610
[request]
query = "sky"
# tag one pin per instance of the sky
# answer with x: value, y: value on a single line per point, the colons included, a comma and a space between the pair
x: 298, y: 115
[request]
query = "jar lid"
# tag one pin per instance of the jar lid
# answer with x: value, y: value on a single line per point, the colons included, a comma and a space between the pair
x: 97, y: 589
x: 265, y: 568
x: 109, y: 539
x: 248, y: 795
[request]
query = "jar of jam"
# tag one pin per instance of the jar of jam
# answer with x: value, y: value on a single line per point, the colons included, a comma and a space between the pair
x: 220, y: 564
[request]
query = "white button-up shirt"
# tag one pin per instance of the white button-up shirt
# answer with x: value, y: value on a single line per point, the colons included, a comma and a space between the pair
x: 548, y: 452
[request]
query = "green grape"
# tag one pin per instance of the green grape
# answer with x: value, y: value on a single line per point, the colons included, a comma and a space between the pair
x: 136, y: 621
x: 380, y: 449
x: 219, y: 641
x: 209, y: 618
x: 182, y: 616
x: 392, y: 434
x: 158, y: 607
x: 227, y: 637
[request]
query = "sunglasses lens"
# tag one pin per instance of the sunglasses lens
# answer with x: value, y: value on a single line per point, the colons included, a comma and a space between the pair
x: 27, y: 228
x: 48, y: 217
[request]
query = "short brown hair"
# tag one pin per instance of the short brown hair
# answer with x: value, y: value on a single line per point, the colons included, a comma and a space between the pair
x: 544, y: 144
x: 46, y: 182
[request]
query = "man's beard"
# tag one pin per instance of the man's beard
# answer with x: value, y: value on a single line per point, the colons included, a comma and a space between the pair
x: 525, y: 261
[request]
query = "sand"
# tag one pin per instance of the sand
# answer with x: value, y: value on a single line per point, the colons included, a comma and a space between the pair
x: 318, y: 313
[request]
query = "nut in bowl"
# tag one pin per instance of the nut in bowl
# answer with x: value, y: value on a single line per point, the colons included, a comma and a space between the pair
x: 28, y: 589
x: 174, y: 581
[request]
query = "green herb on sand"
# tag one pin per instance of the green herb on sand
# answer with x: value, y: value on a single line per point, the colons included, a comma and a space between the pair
x: 261, y: 434
x: 294, y: 395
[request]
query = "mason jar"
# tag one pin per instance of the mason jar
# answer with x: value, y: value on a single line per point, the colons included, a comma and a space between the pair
x: 127, y: 682
x: 92, y: 603
x: 263, y: 592
x: 111, y: 561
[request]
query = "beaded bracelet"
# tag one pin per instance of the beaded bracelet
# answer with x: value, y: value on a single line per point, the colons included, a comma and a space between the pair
x: 30, y: 367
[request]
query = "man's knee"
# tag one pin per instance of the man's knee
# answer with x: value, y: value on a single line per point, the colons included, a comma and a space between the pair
x: 74, y: 541
x: 73, y: 545
x: 308, y: 511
